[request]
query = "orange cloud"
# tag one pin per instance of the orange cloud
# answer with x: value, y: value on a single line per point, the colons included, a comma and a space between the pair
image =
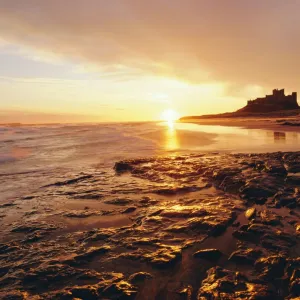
x: 242, y: 42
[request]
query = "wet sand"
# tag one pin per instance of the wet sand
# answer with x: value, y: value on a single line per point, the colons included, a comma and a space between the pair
x: 268, y: 123
x: 205, y: 226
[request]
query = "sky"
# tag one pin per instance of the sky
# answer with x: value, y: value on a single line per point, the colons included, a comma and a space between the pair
x: 130, y: 60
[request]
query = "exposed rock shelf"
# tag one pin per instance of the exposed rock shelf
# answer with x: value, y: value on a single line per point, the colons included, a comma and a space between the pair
x: 187, y: 227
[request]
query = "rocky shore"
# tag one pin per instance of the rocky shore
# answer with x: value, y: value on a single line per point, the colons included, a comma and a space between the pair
x: 209, y: 226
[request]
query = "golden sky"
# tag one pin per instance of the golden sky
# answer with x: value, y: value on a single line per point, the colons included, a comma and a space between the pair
x: 129, y: 60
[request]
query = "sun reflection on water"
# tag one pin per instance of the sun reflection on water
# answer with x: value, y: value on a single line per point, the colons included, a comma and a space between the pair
x: 171, y: 136
x: 170, y: 124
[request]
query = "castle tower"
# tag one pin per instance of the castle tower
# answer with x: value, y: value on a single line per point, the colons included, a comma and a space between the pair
x: 275, y: 102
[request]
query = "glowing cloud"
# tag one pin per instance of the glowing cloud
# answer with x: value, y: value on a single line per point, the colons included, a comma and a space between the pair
x: 142, y: 57
x: 232, y: 41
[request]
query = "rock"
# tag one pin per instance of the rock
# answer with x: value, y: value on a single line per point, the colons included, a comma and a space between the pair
x: 209, y: 254
x: 186, y: 292
x: 121, y: 167
x: 85, y: 292
x: 295, y: 288
x: 271, y: 267
x: 139, y: 277
x: 8, y: 204
x: 258, y: 229
x: 164, y: 257
x: 70, y: 181
x: 244, y: 236
x: 232, y: 184
x: 254, y: 191
x: 17, y: 295
x: 250, y: 213
x: 293, y: 180
x: 129, y: 210
x: 48, y: 274
x: 147, y: 201
x: 91, y: 252
x: 293, y: 267
x: 146, y: 241
x: 119, y: 201
x: 213, y: 225
x: 231, y: 285
x: 34, y: 226
x: 260, y: 188
x: 245, y: 255
x: 293, y: 167
x: 82, y: 213
x: 28, y: 197
x: 99, y: 234
x: 292, y: 162
x: 109, y: 286
x: 183, y: 211
x: 288, y: 199
x: 221, y: 174
x: 276, y: 167
x: 8, y: 247
x: 269, y: 218
x: 34, y: 237
x: 119, y: 290
x: 297, y: 229
x: 88, y: 195
x: 278, y: 240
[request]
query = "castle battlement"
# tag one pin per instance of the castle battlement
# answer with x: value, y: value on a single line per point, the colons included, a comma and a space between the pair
x: 276, y: 101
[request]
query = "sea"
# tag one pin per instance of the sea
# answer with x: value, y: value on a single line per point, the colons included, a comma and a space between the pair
x: 33, y: 155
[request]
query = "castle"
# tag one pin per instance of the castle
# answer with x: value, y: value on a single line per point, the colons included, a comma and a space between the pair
x: 277, y: 101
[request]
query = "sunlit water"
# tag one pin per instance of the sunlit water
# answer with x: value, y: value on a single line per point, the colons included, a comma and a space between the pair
x: 29, y: 153
x: 231, y: 139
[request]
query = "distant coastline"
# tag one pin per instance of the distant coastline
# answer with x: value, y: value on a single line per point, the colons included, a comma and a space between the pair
x: 274, y: 114
x: 276, y: 105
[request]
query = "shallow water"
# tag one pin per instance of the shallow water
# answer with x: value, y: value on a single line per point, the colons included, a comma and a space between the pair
x: 237, y: 139
x: 30, y: 154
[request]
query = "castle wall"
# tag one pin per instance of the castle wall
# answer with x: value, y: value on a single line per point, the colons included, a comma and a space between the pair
x: 277, y: 101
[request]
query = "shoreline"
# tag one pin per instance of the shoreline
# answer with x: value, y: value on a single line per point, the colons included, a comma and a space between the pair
x: 271, y: 123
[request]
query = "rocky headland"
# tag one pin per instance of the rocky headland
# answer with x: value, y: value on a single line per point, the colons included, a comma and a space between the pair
x: 211, y: 226
x: 276, y: 105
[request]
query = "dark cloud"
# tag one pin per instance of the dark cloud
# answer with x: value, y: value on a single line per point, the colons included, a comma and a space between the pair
x: 240, y: 42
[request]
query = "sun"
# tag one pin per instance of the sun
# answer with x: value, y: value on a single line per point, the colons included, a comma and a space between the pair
x: 170, y: 115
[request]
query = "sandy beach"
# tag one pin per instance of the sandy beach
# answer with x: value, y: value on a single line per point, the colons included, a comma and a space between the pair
x: 269, y: 123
